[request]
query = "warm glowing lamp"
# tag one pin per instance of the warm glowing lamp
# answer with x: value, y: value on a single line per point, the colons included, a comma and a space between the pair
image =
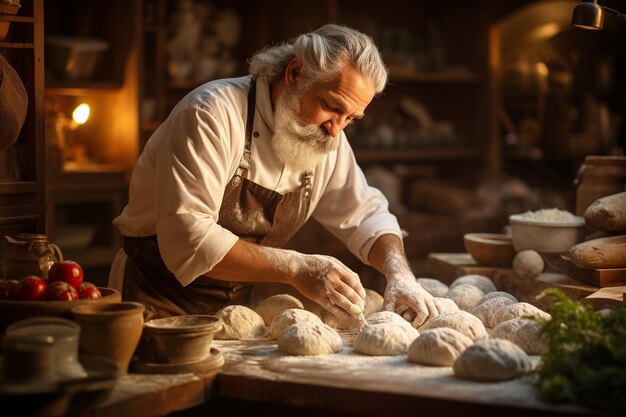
x: 81, y: 113
x: 590, y: 15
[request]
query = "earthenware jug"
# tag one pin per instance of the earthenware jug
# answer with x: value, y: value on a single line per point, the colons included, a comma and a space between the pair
x: 29, y: 254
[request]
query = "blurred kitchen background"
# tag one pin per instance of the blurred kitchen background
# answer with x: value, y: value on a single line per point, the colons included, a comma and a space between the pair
x: 491, y: 108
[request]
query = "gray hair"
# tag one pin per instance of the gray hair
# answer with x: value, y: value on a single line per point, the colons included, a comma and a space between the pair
x: 324, y: 52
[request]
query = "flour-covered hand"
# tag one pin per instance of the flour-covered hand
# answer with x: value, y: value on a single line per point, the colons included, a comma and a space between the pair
x: 331, y: 284
x: 405, y: 296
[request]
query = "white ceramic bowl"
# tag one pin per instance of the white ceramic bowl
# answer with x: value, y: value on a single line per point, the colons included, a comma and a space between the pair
x: 546, y: 236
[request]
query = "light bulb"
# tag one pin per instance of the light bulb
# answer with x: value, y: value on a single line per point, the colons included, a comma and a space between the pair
x: 81, y: 113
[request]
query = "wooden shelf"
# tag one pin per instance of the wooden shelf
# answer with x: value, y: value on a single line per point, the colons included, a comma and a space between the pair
x: 79, y: 88
x: 456, y: 75
x: 18, y: 187
x: 17, y: 45
x: 412, y: 155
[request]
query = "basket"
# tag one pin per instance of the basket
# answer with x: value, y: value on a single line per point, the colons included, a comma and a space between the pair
x: 13, y: 104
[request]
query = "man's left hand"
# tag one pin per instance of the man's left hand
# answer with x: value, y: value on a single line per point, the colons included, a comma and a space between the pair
x: 403, y: 293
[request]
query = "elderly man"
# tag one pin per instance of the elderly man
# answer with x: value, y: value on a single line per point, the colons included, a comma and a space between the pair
x: 241, y: 164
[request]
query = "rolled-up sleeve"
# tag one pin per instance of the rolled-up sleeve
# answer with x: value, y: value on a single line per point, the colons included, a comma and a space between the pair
x: 350, y: 209
x: 188, y: 189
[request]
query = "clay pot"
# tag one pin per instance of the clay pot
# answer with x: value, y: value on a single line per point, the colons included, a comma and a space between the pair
x: 110, y: 330
x: 490, y: 249
x: 181, y: 339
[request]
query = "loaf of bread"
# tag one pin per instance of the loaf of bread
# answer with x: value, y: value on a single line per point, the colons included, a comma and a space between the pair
x: 608, y: 213
x: 606, y: 252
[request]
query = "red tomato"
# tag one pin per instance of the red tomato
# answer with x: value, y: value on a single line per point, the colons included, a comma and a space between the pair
x: 31, y: 288
x: 66, y: 271
x: 88, y: 290
x: 60, y: 290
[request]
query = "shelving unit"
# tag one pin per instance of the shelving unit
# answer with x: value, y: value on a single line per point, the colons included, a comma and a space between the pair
x: 22, y: 189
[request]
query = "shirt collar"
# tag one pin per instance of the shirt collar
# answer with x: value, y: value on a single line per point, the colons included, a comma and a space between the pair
x: 264, y: 103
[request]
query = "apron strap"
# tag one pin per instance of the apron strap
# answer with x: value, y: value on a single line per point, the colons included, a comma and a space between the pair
x: 244, y: 164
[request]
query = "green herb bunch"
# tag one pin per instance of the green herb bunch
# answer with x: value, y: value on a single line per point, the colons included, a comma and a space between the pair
x: 586, y: 362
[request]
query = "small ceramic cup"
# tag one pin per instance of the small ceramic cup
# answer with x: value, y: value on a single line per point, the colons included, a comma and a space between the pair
x: 111, y: 330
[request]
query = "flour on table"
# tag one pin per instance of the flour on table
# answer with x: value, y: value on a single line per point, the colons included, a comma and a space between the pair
x: 492, y: 360
x: 485, y: 310
x: 461, y: 321
x: 310, y: 338
x: 240, y: 322
x: 385, y: 339
x: 480, y: 281
x: 289, y: 317
x: 433, y: 286
x: 276, y: 304
x: 438, y: 347
x: 466, y: 296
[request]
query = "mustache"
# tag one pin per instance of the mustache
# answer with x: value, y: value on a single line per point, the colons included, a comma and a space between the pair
x: 311, y: 133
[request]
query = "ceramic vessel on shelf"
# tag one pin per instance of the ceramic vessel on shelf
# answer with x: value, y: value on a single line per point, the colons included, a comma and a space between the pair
x: 29, y: 254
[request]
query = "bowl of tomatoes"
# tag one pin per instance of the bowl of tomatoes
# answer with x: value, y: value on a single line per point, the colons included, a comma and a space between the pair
x: 64, y: 289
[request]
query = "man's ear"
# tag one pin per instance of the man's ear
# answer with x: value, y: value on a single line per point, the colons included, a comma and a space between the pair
x: 293, y: 71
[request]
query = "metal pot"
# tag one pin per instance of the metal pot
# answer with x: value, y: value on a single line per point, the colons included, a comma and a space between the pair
x: 30, y: 254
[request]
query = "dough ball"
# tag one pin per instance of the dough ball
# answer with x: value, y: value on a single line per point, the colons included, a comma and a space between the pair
x: 528, y: 336
x: 387, y: 317
x: 289, y: 317
x: 461, y: 321
x: 466, y: 296
x: 309, y: 338
x: 240, y: 322
x: 480, y: 281
x: 494, y: 294
x: 438, y: 347
x: 373, y: 304
x: 517, y: 310
x: 276, y: 304
x: 445, y: 304
x: 491, y: 360
x: 528, y: 264
x: 485, y: 310
x: 385, y: 339
x: 505, y: 329
x: 433, y: 286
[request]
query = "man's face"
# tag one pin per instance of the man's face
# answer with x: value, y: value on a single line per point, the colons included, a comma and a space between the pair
x: 308, y: 121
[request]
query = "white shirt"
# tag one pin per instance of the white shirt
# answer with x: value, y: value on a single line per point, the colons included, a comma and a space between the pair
x: 177, y: 186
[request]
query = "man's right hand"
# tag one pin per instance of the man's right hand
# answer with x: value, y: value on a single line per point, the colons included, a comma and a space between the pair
x: 331, y: 284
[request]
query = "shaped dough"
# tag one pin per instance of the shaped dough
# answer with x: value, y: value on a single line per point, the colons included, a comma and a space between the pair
x: 491, y: 360
x: 309, y: 339
x: 276, y: 304
x: 289, y: 317
x: 438, y: 347
x: 385, y: 339
x: 240, y: 322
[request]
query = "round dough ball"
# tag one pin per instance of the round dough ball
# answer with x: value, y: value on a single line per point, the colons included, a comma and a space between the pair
x: 385, y: 339
x: 289, y: 317
x: 373, y: 304
x: 491, y: 360
x: 528, y: 336
x: 466, y: 296
x: 387, y: 317
x: 445, y: 304
x: 494, y: 294
x: 276, y: 304
x: 433, y: 286
x: 309, y: 338
x: 240, y: 322
x: 505, y: 329
x: 485, y: 310
x: 461, y: 321
x: 528, y: 264
x: 480, y: 281
x: 517, y: 310
x: 438, y: 347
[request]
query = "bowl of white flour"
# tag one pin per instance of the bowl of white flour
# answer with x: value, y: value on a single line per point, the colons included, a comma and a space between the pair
x: 546, y: 230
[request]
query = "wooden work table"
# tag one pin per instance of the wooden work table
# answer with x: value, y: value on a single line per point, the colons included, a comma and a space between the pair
x: 259, y: 380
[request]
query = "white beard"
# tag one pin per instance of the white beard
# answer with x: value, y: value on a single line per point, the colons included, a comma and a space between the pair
x: 301, y: 148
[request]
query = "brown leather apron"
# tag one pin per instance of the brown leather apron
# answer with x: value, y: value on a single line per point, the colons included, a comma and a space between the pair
x: 249, y: 210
